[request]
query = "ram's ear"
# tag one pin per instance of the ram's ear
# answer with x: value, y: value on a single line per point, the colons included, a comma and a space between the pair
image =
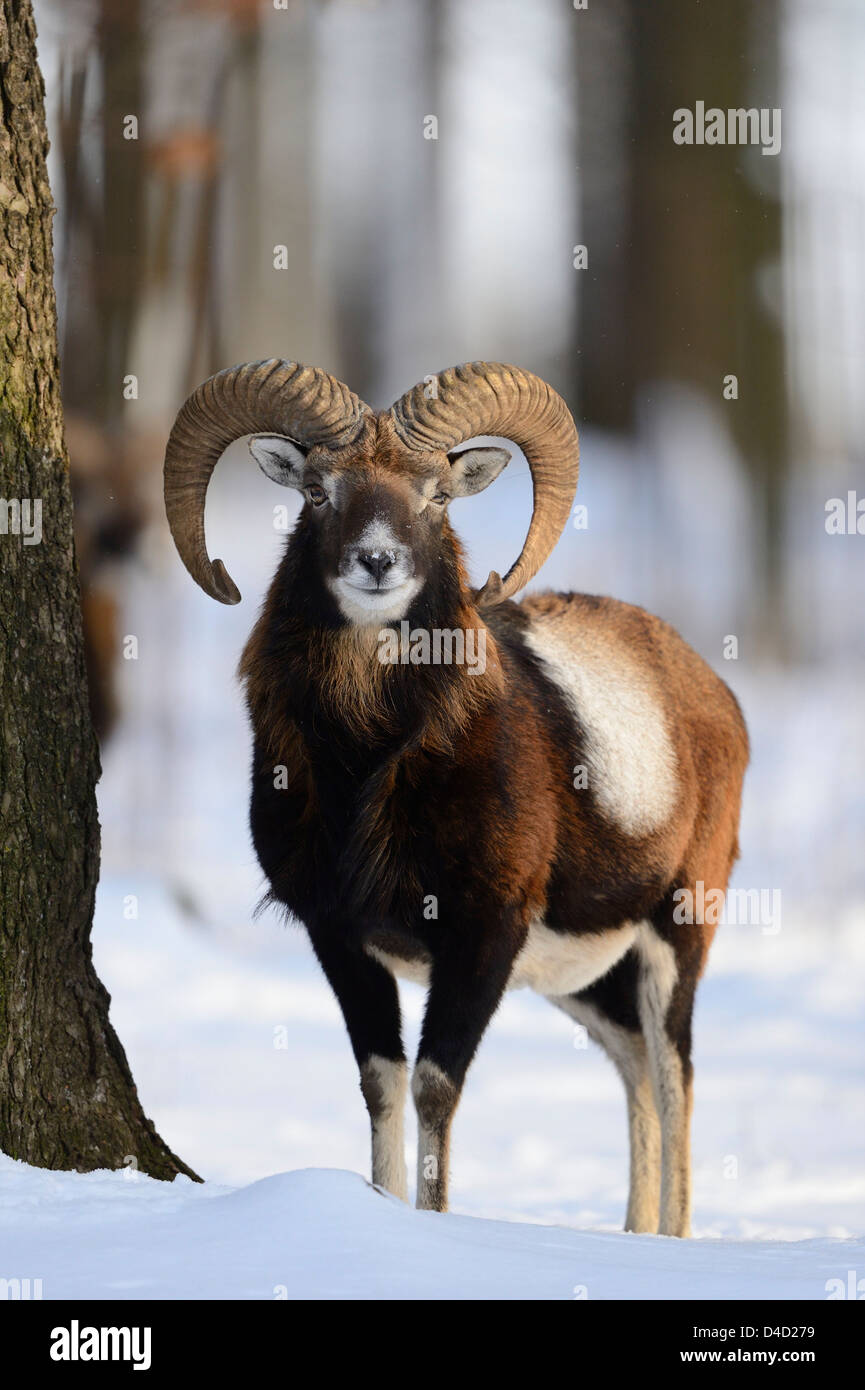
x: 474, y: 469
x: 279, y: 458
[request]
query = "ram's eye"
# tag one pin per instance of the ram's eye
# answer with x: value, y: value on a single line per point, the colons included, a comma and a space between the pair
x: 316, y: 495
x: 440, y: 498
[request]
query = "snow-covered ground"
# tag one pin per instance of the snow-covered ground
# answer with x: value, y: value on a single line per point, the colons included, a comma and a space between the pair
x: 241, y: 1057
x: 324, y: 1233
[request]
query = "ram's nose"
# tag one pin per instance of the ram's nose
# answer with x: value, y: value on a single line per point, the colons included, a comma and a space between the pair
x: 377, y: 562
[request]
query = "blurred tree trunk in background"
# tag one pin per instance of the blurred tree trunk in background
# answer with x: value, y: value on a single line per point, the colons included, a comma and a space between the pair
x: 603, y: 342
x: 67, y: 1098
x: 680, y: 235
x: 104, y: 218
x: 103, y: 259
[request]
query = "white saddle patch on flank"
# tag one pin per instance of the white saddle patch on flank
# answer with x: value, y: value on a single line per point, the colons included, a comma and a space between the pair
x: 631, y: 765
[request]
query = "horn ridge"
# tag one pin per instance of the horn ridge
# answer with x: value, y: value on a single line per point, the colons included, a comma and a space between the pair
x: 271, y: 395
x: 496, y: 398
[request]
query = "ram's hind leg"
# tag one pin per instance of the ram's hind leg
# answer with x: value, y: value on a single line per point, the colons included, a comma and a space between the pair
x: 644, y: 1133
x: 671, y: 958
x: 607, y: 1010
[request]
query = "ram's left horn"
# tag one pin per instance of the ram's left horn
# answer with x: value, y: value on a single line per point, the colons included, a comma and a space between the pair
x: 492, y: 398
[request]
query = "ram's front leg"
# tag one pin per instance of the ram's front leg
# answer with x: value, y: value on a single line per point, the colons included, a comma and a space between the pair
x: 383, y: 1083
x: 471, y: 967
x: 368, y: 997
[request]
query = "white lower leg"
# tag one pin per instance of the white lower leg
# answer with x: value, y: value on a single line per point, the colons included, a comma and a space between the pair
x: 644, y: 1133
x: 658, y: 978
x: 675, y: 1151
x: 627, y: 1049
x: 384, y: 1085
x: 435, y: 1100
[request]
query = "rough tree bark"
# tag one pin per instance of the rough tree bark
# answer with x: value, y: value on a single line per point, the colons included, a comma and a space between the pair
x: 67, y: 1097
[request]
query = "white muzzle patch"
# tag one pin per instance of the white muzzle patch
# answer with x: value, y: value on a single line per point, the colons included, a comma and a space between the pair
x: 365, y: 597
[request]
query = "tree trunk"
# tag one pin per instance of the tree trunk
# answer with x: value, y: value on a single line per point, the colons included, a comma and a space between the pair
x: 67, y: 1098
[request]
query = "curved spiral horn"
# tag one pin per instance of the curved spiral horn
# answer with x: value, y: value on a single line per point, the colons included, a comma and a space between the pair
x: 493, y: 398
x: 274, y: 397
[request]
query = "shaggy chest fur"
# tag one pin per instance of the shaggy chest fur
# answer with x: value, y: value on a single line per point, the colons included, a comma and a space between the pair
x: 557, y: 799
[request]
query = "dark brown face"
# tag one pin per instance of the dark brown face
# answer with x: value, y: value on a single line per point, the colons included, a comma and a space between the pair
x: 377, y: 511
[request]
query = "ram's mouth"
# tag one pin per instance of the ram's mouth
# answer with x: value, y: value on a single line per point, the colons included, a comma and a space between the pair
x: 375, y: 590
x: 362, y: 605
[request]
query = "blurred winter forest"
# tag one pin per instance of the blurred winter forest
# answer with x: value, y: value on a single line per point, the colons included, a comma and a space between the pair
x: 384, y: 188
